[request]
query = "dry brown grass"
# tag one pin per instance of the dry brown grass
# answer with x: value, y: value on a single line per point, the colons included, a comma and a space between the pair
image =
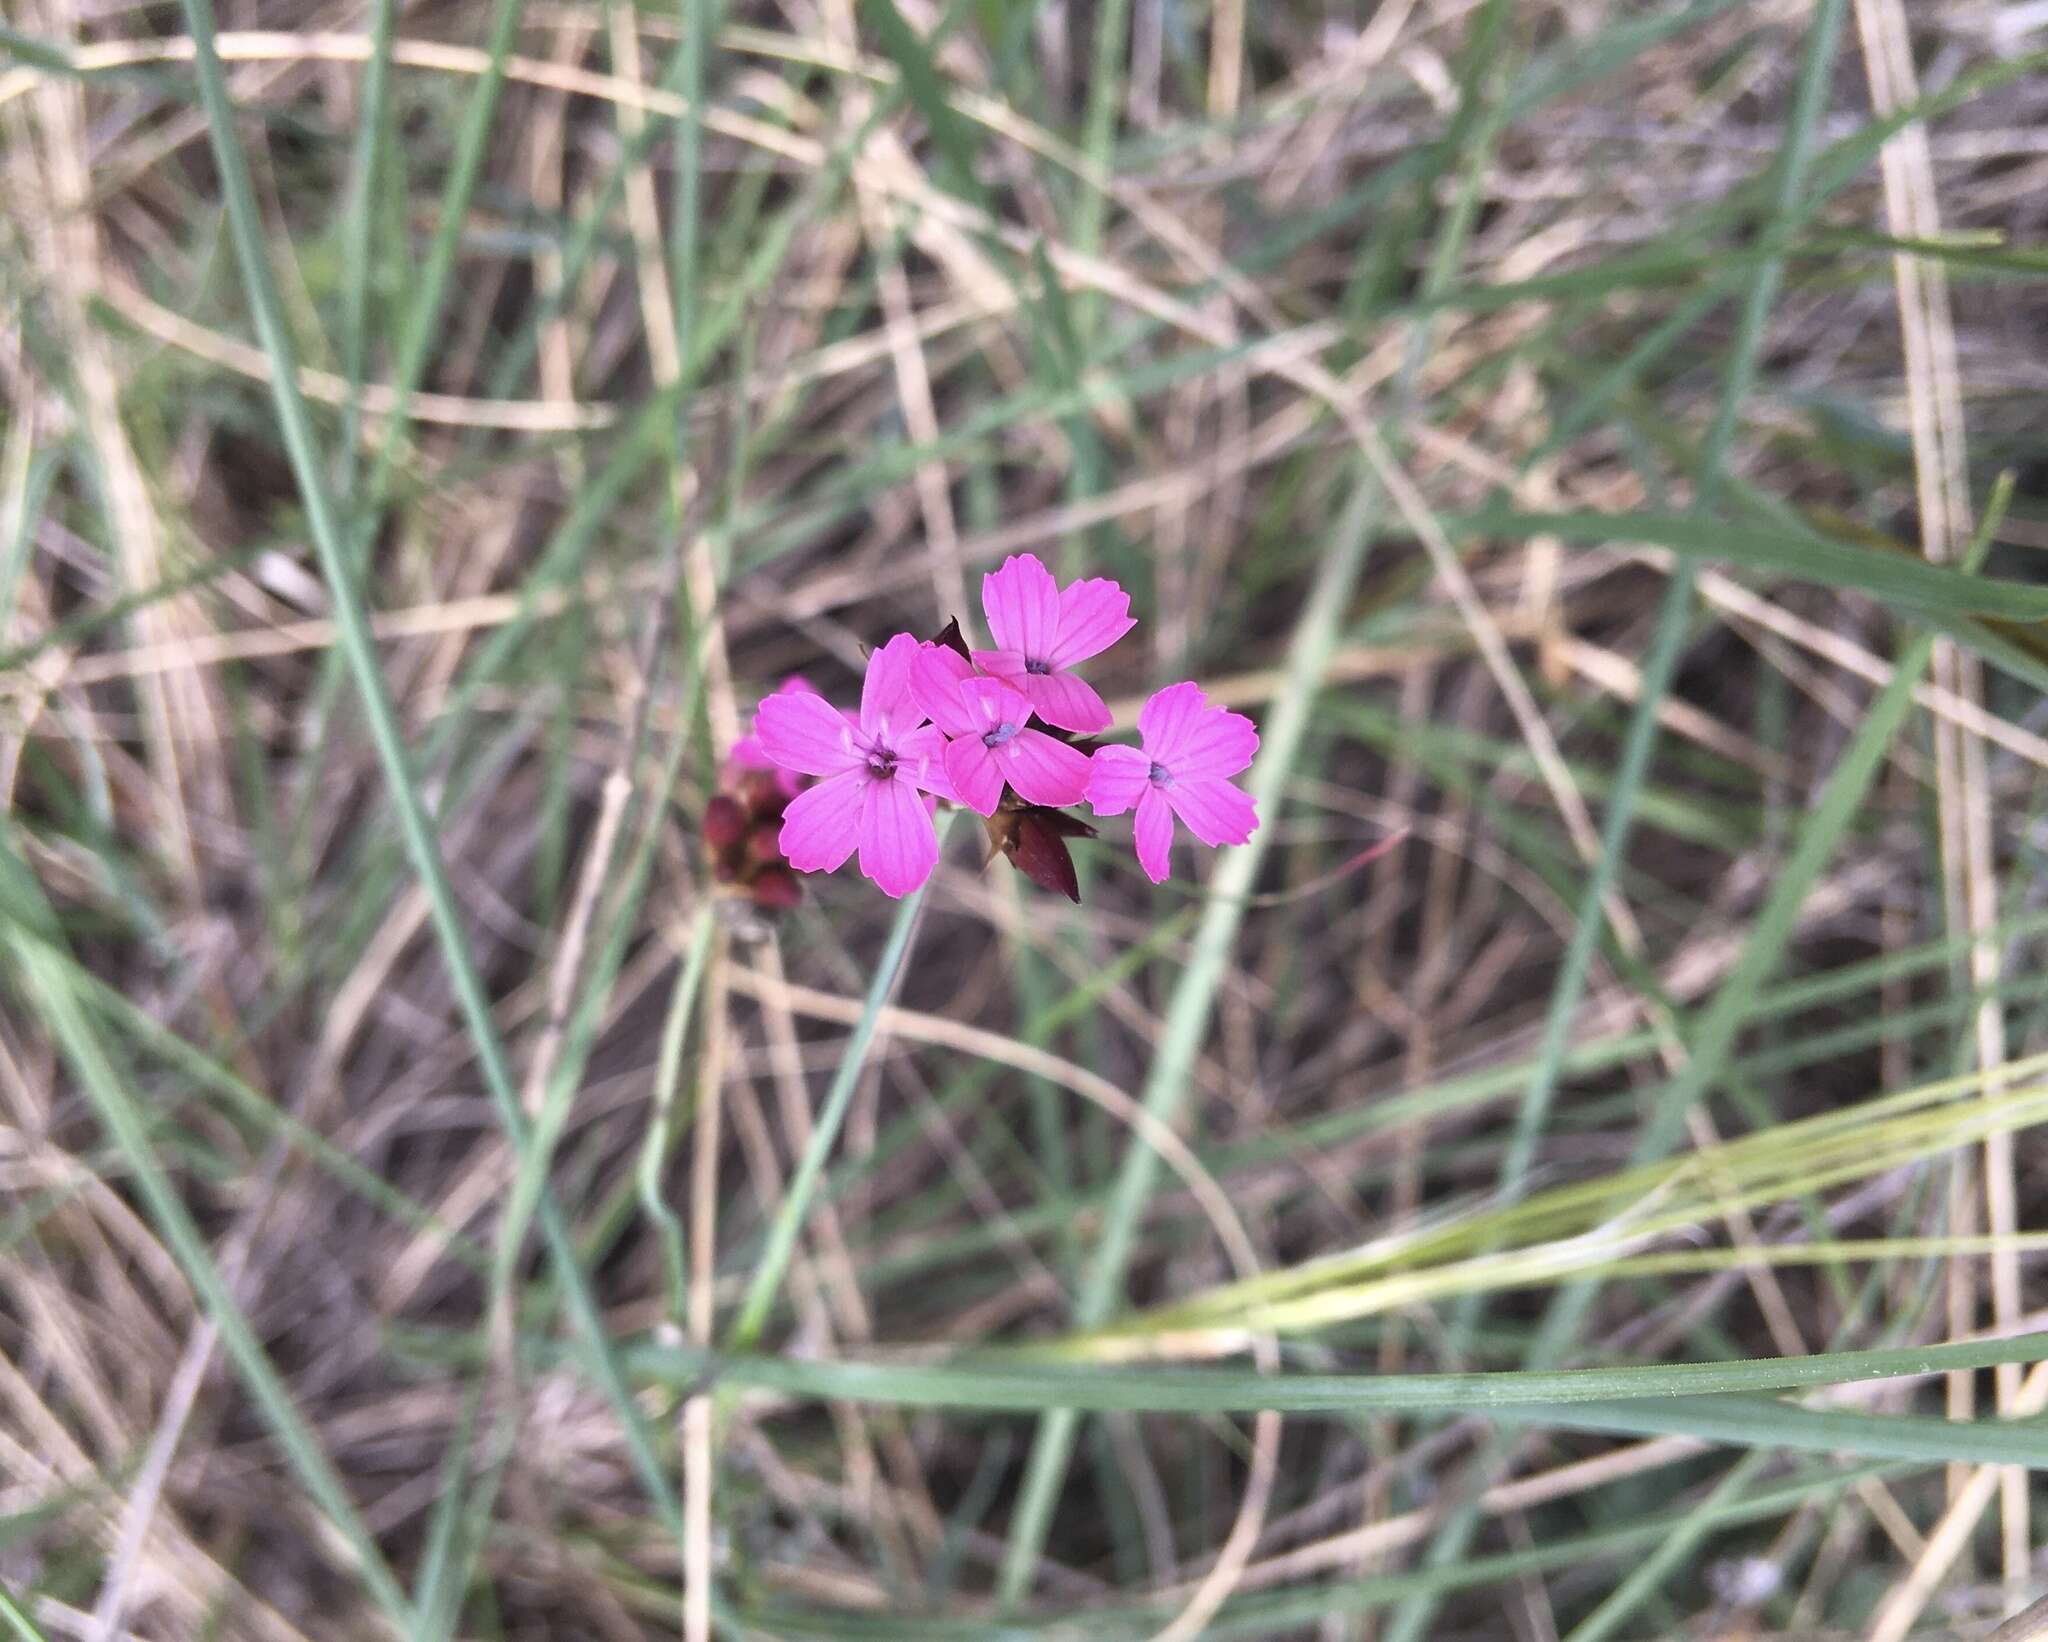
x: 901, y: 401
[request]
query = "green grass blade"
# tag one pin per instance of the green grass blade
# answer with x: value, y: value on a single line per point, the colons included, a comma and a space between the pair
x: 360, y: 657
x: 358, y: 223
x: 1668, y: 1554
x: 51, y: 988
x: 437, y: 267
x: 18, y: 1622
x: 1187, y: 1015
x: 1025, y: 1381
x: 769, y: 1270
x: 1900, y: 579
x: 926, y: 88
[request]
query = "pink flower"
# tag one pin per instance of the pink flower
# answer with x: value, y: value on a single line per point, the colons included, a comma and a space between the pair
x: 986, y: 719
x: 1190, y: 751
x: 748, y: 753
x: 1042, y: 630
x: 873, y: 771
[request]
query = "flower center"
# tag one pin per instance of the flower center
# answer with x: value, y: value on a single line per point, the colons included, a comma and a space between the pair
x: 1160, y: 775
x: 881, y: 763
x: 1033, y: 665
x: 1000, y: 734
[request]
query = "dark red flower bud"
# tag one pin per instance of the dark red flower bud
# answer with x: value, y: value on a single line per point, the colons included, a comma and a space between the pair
x: 725, y: 823
x: 776, y: 888
x: 764, y: 843
x: 761, y: 792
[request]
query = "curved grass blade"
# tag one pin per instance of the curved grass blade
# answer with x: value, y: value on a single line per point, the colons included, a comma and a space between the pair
x: 1021, y: 1382
x: 360, y: 657
x: 1901, y: 579
x: 803, y: 1184
x: 51, y: 988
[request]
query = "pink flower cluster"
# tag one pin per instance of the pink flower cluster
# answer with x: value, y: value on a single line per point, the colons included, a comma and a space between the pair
x: 943, y: 723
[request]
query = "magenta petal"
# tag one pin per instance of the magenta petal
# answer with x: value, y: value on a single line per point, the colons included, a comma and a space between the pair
x: 921, y: 760
x: 1167, y: 718
x: 1043, y: 770
x: 885, y: 692
x: 1217, y: 744
x: 748, y: 754
x: 992, y: 702
x: 1094, y: 614
x: 1215, y: 811
x: 1154, y: 833
x: 1117, y: 779
x: 1002, y: 664
x: 935, y: 680
x: 977, y: 782
x: 898, y: 847
x: 803, y: 732
x: 1022, y: 603
x: 1062, y: 699
x: 821, y: 824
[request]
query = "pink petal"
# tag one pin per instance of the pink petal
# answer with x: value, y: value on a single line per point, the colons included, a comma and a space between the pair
x: 1217, y: 744
x: 1166, y: 720
x: 935, y: 680
x: 994, y: 701
x: 803, y: 732
x: 898, y: 847
x: 1022, y: 603
x: 921, y: 760
x: 885, y: 692
x: 1062, y: 699
x: 1117, y: 779
x: 1043, y: 770
x: 821, y: 824
x: 1093, y: 615
x: 1154, y: 832
x: 1215, y: 811
x: 1003, y: 664
x: 976, y: 779
x: 747, y: 752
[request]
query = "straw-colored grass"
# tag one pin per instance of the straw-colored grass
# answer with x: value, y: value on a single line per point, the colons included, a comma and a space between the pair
x: 1569, y: 1178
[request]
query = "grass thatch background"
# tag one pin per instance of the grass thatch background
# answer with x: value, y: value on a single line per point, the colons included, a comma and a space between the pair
x: 643, y: 357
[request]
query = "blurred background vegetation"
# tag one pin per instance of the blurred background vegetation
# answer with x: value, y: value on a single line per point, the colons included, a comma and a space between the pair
x: 1600, y: 444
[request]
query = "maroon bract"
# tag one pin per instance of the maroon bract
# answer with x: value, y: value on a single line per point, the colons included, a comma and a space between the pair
x: 1035, y: 842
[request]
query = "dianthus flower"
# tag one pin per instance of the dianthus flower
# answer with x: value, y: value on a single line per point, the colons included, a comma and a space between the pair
x: 991, y: 741
x: 1190, y: 751
x: 939, y: 721
x: 1041, y: 630
x: 873, y: 775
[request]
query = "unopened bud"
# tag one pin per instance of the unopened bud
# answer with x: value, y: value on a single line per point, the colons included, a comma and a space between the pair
x: 724, y: 823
